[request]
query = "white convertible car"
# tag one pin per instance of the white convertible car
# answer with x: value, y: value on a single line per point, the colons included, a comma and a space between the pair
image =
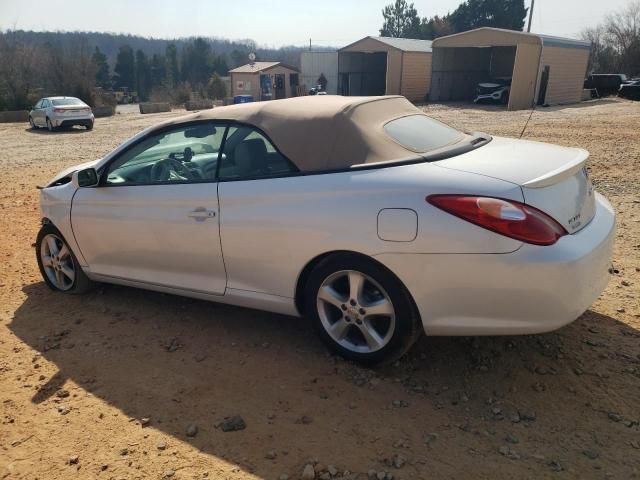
x: 367, y: 216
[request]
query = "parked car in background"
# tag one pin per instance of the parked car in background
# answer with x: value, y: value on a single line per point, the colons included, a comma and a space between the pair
x: 630, y: 89
x: 60, y: 112
x: 495, y: 91
x: 317, y: 90
x: 388, y: 224
x: 605, y: 83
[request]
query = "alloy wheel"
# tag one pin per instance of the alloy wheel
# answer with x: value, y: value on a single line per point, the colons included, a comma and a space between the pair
x: 57, y: 262
x: 49, y: 125
x: 356, y: 312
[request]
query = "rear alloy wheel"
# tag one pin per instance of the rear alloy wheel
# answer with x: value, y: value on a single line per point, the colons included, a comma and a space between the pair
x: 49, y: 125
x: 58, y: 265
x: 361, y: 310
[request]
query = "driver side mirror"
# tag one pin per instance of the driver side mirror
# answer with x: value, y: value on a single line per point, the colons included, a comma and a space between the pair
x: 85, y: 178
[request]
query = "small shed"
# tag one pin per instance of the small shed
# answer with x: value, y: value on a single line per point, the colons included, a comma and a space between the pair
x: 385, y: 66
x: 265, y: 80
x: 542, y: 69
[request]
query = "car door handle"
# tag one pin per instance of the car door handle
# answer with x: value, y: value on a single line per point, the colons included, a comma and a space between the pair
x: 201, y: 214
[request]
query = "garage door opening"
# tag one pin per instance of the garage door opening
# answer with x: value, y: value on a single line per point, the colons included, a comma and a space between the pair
x: 362, y: 74
x: 542, y: 68
x: 460, y: 71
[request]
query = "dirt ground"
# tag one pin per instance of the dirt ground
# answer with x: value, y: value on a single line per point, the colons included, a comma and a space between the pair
x: 105, y: 386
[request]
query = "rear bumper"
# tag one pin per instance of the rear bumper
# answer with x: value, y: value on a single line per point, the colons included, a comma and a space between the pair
x: 532, y: 290
x: 69, y: 122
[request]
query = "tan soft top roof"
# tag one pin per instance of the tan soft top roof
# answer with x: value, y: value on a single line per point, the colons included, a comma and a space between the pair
x: 322, y: 132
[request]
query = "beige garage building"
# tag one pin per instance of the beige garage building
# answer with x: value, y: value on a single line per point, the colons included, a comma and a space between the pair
x: 544, y: 70
x: 265, y: 80
x: 385, y: 66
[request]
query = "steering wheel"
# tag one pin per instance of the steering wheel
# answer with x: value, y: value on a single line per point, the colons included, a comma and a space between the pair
x: 184, y: 156
x: 170, y: 169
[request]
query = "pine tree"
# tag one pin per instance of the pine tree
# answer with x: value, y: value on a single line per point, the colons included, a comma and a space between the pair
x: 143, y: 75
x: 216, y: 87
x: 172, y: 71
x: 400, y: 20
x: 125, y: 69
x: 99, y: 59
x: 508, y: 14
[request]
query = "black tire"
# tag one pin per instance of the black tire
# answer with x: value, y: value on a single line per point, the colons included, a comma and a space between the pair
x: 50, y: 126
x: 407, y: 327
x: 32, y: 123
x: 80, y: 283
x: 89, y: 126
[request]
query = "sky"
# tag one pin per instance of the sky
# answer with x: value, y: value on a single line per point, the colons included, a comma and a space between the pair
x: 270, y: 23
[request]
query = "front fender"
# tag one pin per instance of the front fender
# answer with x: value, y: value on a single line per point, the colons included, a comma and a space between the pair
x: 55, y: 208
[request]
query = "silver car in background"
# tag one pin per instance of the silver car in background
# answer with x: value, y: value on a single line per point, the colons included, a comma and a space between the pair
x: 60, y: 112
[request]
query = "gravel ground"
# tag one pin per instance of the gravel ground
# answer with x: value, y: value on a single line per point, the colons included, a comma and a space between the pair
x: 127, y: 384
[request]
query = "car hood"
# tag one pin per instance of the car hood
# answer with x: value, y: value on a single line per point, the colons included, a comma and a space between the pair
x: 68, y: 171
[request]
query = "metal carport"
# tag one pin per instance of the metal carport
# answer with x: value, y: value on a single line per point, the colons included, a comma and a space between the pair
x: 543, y: 69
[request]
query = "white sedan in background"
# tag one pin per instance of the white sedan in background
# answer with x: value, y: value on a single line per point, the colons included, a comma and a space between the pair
x: 60, y: 112
x: 367, y: 216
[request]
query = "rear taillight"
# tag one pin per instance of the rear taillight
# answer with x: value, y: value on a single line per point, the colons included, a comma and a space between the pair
x: 59, y: 110
x: 506, y: 217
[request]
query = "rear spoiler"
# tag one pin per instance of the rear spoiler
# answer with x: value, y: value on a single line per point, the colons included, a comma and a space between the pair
x: 565, y: 171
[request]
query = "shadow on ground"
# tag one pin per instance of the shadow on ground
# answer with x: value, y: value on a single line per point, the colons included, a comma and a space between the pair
x: 57, y: 131
x: 457, y: 401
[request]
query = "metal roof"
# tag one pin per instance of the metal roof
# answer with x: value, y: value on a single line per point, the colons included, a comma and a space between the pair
x: 551, y: 41
x: 260, y: 67
x: 404, y: 44
x: 545, y: 40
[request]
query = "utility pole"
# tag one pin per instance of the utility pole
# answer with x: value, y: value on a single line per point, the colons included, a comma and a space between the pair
x: 309, y: 44
x: 533, y: 2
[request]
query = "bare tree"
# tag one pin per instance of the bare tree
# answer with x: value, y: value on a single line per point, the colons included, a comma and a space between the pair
x: 623, y: 34
x: 18, y: 69
x: 616, y: 42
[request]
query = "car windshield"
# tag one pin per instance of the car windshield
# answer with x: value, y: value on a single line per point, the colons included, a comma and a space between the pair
x: 420, y: 133
x: 66, y: 101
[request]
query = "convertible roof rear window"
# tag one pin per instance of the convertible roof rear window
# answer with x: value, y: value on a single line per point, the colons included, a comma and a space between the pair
x: 420, y: 133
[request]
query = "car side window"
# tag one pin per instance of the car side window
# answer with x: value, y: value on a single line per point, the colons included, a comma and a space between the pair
x: 44, y: 104
x: 38, y: 105
x: 185, y: 154
x: 249, y: 154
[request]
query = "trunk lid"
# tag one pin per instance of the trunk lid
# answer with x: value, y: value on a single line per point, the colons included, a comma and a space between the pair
x: 553, y: 179
x: 70, y: 110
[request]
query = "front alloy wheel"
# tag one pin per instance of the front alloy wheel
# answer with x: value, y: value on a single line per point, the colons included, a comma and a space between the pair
x: 57, y: 262
x: 58, y: 265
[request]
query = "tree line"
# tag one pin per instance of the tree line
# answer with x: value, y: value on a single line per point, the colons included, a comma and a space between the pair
x: 195, y: 66
x: 35, y: 64
x: 401, y: 19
